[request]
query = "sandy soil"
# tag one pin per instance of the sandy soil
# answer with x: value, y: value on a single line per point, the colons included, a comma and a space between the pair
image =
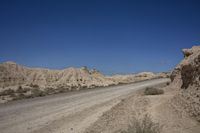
x: 65, y: 113
x: 159, y: 107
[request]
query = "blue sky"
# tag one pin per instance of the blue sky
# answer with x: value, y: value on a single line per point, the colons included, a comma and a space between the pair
x: 112, y: 36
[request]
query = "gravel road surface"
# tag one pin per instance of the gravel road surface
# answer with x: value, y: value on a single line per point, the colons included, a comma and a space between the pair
x: 64, y: 113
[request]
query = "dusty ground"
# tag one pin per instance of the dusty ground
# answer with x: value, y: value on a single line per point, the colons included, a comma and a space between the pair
x: 66, y: 113
x: 160, y: 107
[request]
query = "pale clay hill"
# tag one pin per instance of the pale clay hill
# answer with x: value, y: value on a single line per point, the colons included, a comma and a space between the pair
x: 16, y: 78
x: 13, y: 74
x: 186, y: 78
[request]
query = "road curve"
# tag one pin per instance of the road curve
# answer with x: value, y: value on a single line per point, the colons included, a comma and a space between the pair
x: 64, y: 113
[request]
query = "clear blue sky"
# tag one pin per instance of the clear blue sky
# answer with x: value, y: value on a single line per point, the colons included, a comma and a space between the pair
x: 113, y: 36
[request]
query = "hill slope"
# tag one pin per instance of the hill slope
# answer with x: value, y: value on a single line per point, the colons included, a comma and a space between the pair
x: 17, y: 81
x: 14, y: 74
x: 186, y: 78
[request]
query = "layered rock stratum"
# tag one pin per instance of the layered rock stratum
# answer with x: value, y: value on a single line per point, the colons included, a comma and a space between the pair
x: 18, y: 80
x: 12, y: 74
x: 186, y: 78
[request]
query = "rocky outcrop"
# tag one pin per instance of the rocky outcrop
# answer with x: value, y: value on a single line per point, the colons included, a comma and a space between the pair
x: 122, y: 79
x: 17, y: 81
x: 12, y: 74
x: 186, y: 77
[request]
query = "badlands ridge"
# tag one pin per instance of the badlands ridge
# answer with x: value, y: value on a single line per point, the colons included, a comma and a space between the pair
x: 18, y: 80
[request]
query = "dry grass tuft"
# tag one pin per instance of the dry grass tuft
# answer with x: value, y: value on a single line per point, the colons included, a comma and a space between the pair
x: 144, y: 125
x: 153, y: 91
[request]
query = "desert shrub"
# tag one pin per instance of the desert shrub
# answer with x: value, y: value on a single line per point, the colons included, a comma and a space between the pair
x: 167, y: 83
x: 73, y: 88
x: 7, y: 92
x: 12, y: 95
x: 19, y: 96
x: 144, y: 125
x: 20, y: 87
x: 21, y: 90
x: 29, y: 96
x: 153, y: 91
x: 3, y: 98
x: 37, y: 93
x: 49, y: 90
x: 62, y: 90
x: 34, y: 85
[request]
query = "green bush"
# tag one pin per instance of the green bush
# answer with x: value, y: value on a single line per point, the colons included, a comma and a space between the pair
x: 153, y: 91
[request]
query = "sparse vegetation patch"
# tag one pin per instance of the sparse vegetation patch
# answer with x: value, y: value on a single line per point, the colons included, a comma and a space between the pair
x: 34, y: 85
x: 153, y: 91
x: 7, y: 92
x: 143, y: 125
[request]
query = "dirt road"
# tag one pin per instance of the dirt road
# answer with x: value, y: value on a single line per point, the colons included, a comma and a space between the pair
x: 64, y: 113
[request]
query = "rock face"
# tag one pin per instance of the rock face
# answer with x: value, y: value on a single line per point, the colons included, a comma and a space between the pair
x: 12, y: 74
x: 18, y: 82
x: 123, y: 79
x: 186, y: 76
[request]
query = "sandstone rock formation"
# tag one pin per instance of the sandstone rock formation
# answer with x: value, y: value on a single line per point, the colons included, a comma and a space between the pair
x: 122, y: 79
x: 186, y: 77
x: 17, y: 81
x: 12, y: 74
